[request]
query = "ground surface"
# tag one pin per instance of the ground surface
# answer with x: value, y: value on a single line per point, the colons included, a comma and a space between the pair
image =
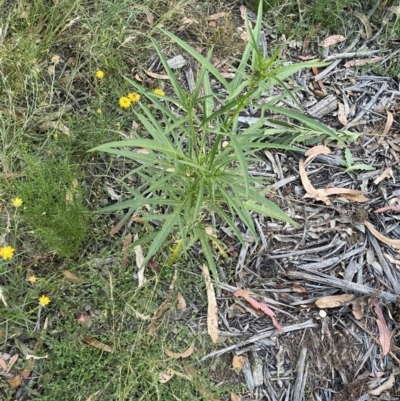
x: 104, y: 337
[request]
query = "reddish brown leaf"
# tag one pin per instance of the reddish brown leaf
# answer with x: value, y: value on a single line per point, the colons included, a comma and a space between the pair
x: 258, y: 305
x: 386, y: 208
x: 384, y: 335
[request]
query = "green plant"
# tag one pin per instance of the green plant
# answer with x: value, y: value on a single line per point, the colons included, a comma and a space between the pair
x: 348, y: 163
x: 53, y: 204
x: 193, y: 159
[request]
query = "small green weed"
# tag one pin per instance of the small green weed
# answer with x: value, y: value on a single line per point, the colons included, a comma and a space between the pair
x: 348, y: 163
x: 53, y: 204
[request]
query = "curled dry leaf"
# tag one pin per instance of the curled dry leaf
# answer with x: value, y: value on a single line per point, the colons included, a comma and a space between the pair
x: 258, y: 305
x: 385, y: 386
x: 342, y: 114
x: 333, y: 301
x: 125, y: 250
x: 176, y: 355
x: 97, y: 344
x: 364, y: 19
x: 238, y: 362
x: 384, y: 334
x: 387, y: 208
x: 235, y: 397
x: 315, y: 151
x: 216, y: 16
x: 353, y: 63
x: 389, y: 123
x: 212, y: 312
x: 311, y: 191
x: 181, y: 302
x: 156, y: 76
x: 28, y: 356
x: 357, y: 308
x: 165, y: 377
x: 332, y: 40
x: 386, y: 174
x: 71, y: 277
x: 394, y: 243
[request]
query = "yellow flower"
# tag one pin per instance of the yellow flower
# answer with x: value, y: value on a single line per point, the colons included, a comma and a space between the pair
x: 124, y: 102
x: 55, y: 59
x: 32, y: 279
x: 7, y: 252
x: 99, y: 74
x: 159, y: 92
x: 17, y: 202
x: 133, y: 97
x: 44, y: 301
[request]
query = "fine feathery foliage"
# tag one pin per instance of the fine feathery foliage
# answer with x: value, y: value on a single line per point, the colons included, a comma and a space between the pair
x: 193, y: 158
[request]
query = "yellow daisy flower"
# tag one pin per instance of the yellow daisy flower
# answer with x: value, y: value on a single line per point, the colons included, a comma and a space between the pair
x: 99, y: 74
x: 7, y: 252
x: 133, y: 97
x: 17, y: 202
x: 32, y: 279
x: 44, y: 300
x: 124, y: 102
x: 159, y: 92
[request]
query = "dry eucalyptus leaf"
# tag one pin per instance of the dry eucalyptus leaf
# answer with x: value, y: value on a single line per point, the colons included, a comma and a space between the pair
x: 235, y: 397
x: 237, y: 362
x: 333, y: 301
x: 394, y: 243
x: 332, y: 40
x: 357, y: 308
x: 176, y: 355
x: 385, y: 386
x: 342, y: 114
x: 354, y: 63
x: 216, y: 16
x: 212, y: 312
x: 386, y: 174
x: 71, y: 277
x: 364, y: 19
x: 165, y: 377
x: 181, y: 302
x: 156, y: 76
x: 315, y: 151
x: 97, y: 344
x: 389, y: 123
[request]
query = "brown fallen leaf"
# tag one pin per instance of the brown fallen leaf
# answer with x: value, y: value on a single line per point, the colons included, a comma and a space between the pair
x: 214, y: 17
x: 385, y: 174
x: 355, y: 198
x: 258, y: 305
x: 3, y: 364
x: 176, y: 355
x: 387, y: 208
x: 389, y: 123
x: 333, y: 301
x: 357, y: 308
x: 305, y: 58
x: 238, y: 362
x: 385, y: 386
x: 156, y: 76
x: 311, y: 191
x: 298, y: 288
x: 125, y: 250
x: 71, y: 277
x: 97, y: 344
x: 235, y: 397
x: 384, y: 334
x: 15, y: 381
x: 212, y: 311
x: 12, y: 361
x: 315, y: 151
x: 342, y: 114
x: 186, y: 20
x: 364, y: 19
x: 366, y: 61
x: 50, y: 125
x: 332, y: 40
x: 394, y: 243
x: 91, y: 396
x: 181, y: 302
x: 391, y: 259
x: 165, y: 377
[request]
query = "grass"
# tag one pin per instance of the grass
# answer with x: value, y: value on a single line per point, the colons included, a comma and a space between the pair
x: 52, y: 111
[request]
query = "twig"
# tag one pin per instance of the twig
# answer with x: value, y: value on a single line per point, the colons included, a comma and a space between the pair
x: 301, y: 377
x: 345, y: 285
